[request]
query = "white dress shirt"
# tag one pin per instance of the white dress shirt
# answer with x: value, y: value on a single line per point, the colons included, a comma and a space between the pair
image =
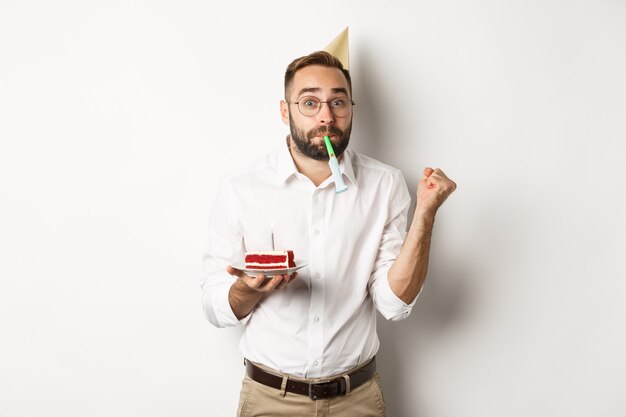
x: 324, y: 321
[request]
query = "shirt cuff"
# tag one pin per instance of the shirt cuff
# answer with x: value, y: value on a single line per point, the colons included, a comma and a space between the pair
x: 391, y: 306
x: 224, y: 312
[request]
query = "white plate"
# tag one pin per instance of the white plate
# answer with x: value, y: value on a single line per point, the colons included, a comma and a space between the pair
x: 300, y: 263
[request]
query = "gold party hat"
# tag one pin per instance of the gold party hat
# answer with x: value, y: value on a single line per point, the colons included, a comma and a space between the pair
x: 339, y: 48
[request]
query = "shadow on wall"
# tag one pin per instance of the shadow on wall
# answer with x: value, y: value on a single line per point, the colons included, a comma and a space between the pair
x: 442, y: 304
x: 445, y: 297
x: 368, y: 123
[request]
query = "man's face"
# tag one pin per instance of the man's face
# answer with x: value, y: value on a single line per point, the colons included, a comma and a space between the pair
x: 308, y: 133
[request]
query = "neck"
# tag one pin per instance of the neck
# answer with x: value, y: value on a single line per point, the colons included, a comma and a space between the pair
x: 316, y: 171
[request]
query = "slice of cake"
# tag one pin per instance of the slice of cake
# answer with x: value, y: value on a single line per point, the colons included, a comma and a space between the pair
x: 279, y: 259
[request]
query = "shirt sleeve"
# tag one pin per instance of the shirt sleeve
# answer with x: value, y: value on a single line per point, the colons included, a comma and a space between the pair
x: 394, y: 233
x: 225, y: 246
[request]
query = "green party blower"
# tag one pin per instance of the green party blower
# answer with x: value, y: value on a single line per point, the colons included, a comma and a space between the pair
x: 340, y: 186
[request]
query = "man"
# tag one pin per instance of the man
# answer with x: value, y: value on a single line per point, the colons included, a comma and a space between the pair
x: 309, y: 338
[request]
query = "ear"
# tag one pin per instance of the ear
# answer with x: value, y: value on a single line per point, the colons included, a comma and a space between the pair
x: 284, y: 111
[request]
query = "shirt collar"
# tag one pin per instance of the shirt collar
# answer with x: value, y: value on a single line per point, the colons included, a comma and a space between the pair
x: 286, y: 167
x: 347, y: 167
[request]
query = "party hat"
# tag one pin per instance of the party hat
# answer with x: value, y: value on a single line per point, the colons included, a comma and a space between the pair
x: 339, y: 48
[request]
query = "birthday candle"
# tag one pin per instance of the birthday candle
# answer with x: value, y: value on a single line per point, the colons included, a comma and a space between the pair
x: 340, y: 186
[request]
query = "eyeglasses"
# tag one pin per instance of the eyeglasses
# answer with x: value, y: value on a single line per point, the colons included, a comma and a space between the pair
x: 309, y: 106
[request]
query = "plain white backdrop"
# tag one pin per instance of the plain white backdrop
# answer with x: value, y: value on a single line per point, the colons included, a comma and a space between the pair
x: 118, y: 117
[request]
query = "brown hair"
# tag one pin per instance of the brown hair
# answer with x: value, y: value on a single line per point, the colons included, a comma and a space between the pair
x: 322, y: 58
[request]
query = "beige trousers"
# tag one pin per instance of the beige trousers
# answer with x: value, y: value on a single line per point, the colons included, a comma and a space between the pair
x: 258, y: 400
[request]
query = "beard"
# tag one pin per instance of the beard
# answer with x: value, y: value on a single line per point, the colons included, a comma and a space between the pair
x: 319, y: 152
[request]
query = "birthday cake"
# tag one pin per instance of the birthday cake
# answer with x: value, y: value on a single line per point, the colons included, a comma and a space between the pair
x: 280, y: 259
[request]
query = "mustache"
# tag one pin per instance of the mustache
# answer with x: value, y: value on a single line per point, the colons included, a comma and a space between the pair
x: 323, y: 131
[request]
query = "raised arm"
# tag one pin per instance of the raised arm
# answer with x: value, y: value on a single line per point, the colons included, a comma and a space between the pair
x: 408, y: 272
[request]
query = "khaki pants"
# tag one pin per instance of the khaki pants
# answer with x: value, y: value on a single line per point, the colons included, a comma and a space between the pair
x: 258, y: 400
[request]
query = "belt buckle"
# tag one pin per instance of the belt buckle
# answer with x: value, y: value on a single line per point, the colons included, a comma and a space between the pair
x: 322, y: 385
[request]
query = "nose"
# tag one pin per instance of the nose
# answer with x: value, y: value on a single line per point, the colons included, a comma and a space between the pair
x: 325, y: 115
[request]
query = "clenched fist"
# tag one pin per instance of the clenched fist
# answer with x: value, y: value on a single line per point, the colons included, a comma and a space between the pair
x: 433, y: 189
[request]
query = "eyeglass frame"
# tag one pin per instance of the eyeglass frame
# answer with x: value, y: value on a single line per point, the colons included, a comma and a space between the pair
x: 319, y: 108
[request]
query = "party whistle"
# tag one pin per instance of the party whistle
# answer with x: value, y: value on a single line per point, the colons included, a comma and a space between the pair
x: 340, y: 186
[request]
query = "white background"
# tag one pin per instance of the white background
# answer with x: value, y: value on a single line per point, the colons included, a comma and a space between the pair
x: 118, y: 117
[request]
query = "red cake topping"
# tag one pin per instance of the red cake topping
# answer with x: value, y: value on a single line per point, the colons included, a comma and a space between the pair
x: 270, y: 260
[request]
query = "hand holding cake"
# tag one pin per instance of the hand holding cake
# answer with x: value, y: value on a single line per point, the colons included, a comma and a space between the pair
x: 262, y: 283
x: 247, y: 291
x: 266, y: 261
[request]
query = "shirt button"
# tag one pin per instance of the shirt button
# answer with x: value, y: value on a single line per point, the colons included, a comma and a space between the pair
x: 316, y: 319
x: 318, y: 275
x: 316, y: 232
x: 315, y: 363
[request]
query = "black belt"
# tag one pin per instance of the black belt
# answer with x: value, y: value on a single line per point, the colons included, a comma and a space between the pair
x: 340, y: 385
